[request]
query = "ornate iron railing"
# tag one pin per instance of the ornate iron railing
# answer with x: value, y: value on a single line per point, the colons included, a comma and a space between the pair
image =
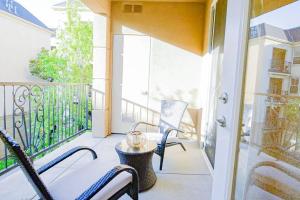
x: 40, y: 116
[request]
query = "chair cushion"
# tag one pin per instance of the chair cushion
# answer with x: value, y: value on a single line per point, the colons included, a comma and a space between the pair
x: 74, y: 184
x: 158, y: 137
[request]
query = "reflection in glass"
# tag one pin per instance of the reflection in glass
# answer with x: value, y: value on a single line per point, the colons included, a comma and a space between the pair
x: 218, y: 21
x: 269, y: 154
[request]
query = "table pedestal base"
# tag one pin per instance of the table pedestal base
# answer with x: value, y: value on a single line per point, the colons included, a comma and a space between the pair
x: 143, y: 165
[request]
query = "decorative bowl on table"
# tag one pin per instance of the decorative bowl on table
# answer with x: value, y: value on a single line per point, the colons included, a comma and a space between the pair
x: 136, y: 139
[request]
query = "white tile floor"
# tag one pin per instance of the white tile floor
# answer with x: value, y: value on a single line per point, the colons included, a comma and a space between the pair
x: 184, y: 176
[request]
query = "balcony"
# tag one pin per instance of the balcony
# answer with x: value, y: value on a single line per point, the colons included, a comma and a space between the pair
x: 186, y: 171
x: 280, y: 67
x: 276, y: 97
x: 49, y: 119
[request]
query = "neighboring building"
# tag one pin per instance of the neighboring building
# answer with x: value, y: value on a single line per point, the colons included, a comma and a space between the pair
x: 273, y: 72
x: 278, y: 53
x: 22, y: 35
x: 272, y: 82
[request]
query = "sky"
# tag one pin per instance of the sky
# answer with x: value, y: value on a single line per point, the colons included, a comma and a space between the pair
x: 285, y: 17
x: 42, y: 10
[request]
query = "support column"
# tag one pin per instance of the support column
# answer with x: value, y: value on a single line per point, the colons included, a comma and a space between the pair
x: 102, y: 75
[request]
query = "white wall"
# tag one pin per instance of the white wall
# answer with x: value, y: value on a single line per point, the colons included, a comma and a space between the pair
x: 100, y: 28
x: 20, y: 42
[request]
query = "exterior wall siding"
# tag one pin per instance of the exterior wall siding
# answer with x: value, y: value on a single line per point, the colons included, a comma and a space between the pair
x: 20, y: 42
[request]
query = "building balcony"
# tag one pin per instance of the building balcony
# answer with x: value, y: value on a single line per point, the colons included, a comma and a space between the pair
x: 280, y: 67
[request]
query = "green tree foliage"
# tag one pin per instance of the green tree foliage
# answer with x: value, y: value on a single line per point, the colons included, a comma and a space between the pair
x: 48, y: 65
x: 71, y: 60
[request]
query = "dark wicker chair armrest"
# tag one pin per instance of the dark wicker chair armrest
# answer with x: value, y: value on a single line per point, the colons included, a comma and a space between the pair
x: 166, y: 134
x: 64, y: 156
x: 109, y: 176
x: 140, y: 123
x: 169, y: 130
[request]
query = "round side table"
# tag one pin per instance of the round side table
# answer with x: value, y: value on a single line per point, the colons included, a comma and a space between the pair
x: 141, y: 160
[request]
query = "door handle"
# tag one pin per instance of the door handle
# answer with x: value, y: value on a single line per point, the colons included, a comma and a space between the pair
x: 221, y: 121
x: 224, y: 98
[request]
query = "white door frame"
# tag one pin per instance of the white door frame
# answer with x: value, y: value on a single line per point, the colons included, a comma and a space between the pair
x: 235, y: 44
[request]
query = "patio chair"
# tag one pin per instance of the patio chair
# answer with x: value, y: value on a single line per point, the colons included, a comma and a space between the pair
x: 283, y: 182
x: 170, y: 117
x: 86, y: 183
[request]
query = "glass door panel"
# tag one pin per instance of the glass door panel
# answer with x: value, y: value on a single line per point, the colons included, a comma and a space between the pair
x: 174, y: 75
x: 268, y: 164
x: 131, y: 56
x: 218, y: 20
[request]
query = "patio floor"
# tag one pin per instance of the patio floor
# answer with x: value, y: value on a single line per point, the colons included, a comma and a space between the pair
x: 184, y: 176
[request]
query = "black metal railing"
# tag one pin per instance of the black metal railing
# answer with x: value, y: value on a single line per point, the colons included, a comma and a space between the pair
x: 41, y: 116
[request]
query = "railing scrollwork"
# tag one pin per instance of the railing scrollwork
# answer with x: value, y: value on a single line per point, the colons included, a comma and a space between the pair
x: 41, y: 116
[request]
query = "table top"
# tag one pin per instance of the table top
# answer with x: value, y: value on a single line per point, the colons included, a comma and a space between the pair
x: 123, y: 147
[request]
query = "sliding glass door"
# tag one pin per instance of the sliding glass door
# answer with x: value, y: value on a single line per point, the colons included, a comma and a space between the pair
x: 131, y: 55
x: 147, y: 70
x: 268, y: 164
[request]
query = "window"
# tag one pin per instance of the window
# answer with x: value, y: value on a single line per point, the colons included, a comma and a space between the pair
x: 296, y: 59
x: 278, y: 60
x: 294, y: 85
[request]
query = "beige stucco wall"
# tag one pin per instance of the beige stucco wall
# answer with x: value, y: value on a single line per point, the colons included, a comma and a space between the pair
x: 20, y: 42
x: 179, y: 24
x: 98, y: 6
x: 167, y: 39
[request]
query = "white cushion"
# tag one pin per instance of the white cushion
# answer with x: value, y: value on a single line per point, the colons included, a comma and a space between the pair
x: 74, y: 184
x: 158, y: 137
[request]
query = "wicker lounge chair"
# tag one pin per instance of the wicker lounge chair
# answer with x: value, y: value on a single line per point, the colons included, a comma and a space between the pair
x: 270, y: 182
x: 170, y: 118
x: 88, y: 183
